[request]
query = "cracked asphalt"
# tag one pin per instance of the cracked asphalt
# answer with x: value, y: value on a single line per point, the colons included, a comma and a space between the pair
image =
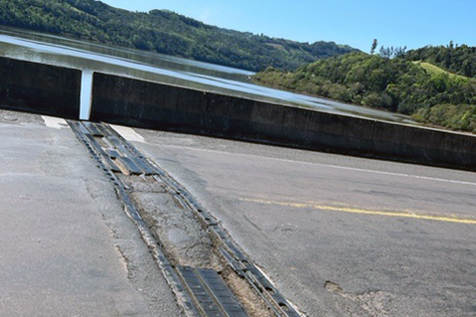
x: 340, y: 236
x: 66, y: 246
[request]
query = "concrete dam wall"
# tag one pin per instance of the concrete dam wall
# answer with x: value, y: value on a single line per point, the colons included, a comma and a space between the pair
x: 55, y: 91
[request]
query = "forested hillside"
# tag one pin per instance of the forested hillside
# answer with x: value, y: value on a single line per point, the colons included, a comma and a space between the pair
x: 162, y: 31
x: 400, y: 85
x: 457, y: 59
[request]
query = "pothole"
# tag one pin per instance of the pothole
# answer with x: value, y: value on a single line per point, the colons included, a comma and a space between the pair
x: 373, y: 303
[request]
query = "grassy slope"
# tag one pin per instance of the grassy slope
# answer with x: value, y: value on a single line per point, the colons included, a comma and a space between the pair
x: 433, y: 69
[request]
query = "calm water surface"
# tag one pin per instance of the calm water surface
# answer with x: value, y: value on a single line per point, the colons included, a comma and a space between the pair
x: 54, y: 50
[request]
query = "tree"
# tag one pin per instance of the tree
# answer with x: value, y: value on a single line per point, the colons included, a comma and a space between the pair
x: 400, y: 51
x: 386, y: 52
x: 374, y: 46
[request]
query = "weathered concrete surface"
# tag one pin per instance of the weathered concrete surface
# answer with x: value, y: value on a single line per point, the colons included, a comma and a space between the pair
x: 54, y: 90
x: 66, y: 246
x: 184, y: 238
x: 155, y: 106
x: 39, y: 88
x: 340, y: 236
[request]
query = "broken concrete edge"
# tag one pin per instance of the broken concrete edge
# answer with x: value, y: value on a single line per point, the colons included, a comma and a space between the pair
x: 183, y: 299
x: 241, y: 264
x: 232, y: 253
x: 184, y: 293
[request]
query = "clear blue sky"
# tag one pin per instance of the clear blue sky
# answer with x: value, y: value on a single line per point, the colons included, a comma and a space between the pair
x: 414, y: 23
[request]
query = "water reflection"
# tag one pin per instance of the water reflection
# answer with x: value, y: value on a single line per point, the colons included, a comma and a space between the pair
x: 53, y: 50
x: 142, y: 57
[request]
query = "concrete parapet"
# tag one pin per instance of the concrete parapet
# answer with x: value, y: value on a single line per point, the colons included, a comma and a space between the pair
x: 156, y: 106
x: 52, y: 90
x: 39, y: 88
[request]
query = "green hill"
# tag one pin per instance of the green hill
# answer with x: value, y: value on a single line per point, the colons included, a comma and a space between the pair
x: 429, y: 93
x: 432, y: 69
x: 455, y: 59
x: 162, y: 31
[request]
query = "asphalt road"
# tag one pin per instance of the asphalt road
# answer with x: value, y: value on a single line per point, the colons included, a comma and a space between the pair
x: 340, y: 236
x: 66, y: 246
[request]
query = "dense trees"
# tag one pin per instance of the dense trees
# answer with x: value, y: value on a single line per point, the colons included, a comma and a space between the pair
x: 393, y: 84
x: 162, y: 31
x: 391, y: 52
x: 457, y: 59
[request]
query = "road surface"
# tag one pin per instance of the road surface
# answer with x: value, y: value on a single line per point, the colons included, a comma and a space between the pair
x: 338, y: 235
x: 66, y: 246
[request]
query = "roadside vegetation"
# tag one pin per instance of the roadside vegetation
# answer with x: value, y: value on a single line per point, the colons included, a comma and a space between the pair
x: 164, y: 32
x: 391, y: 81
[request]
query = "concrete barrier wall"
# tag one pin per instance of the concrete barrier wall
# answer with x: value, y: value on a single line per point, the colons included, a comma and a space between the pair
x: 39, y: 88
x: 51, y: 90
x: 155, y: 106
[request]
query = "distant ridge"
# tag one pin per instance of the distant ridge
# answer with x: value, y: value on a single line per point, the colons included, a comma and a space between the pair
x: 163, y: 31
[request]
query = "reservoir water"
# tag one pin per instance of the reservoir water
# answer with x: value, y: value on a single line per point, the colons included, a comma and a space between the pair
x: 154, y: 67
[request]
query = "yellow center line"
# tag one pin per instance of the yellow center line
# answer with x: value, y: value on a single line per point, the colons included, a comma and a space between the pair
x: 362, y: 211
